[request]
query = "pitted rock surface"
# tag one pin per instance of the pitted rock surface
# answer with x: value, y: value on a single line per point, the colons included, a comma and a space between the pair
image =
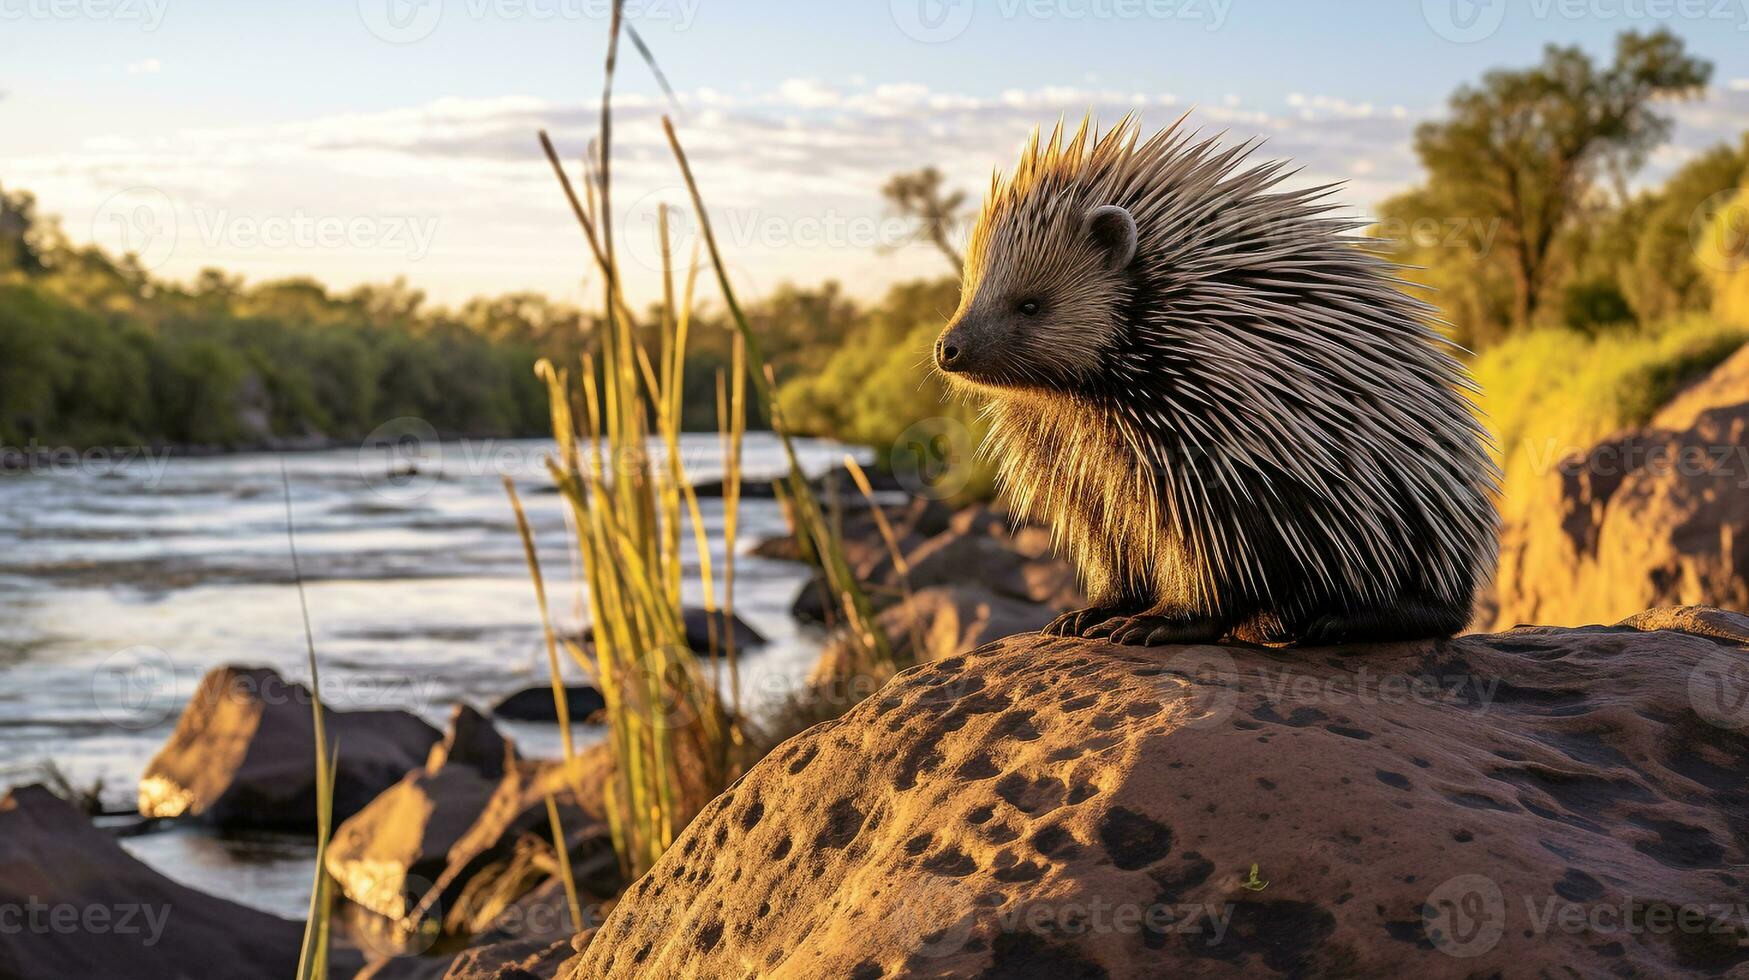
x: 1065, y: 808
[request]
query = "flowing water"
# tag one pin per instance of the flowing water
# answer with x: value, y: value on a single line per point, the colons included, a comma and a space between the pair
x: 123, y: 581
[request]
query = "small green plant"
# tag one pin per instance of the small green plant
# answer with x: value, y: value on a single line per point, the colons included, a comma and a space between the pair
x: 88, y: 798
x: 313, y: 957
x: 1253, y: 883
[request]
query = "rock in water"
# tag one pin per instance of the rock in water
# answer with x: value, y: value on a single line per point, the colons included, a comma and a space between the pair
x: 584, y: 702
x: 74, y: 904
x: 1648, y: 517
x: 697, y: 623
x: 244, y: 754
x: 1543, y: 802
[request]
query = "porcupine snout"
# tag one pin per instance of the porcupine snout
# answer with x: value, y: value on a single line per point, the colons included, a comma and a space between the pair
x: 969, y: 345
x: 947, y: 355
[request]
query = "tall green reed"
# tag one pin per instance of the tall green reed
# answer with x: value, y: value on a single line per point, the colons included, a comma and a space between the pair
x: 674, y: 741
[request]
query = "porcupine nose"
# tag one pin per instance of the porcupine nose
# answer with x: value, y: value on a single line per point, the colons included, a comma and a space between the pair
x: 947, y: 355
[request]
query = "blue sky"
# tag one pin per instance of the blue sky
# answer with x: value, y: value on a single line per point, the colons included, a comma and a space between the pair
x: 363, y: 139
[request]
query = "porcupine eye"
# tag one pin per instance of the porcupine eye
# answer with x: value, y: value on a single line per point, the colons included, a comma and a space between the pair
x: 1029, y: 308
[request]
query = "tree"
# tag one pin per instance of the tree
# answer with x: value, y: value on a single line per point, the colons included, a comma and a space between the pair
x: 1664, y: 277
x: 918, y: 196
x: 20, y: 233
x: 1525, y: 148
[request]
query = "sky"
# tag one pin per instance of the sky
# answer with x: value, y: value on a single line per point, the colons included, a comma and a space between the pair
x: 364, y: 140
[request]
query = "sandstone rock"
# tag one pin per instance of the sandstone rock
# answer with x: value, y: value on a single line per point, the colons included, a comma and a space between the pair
x: 1543, y: 802
x: 389, y: 854
x: 535, y: 923
x: 517, y: 959
x: 536, y: 704
x: 913, y: 522
x: 941, y: 622
x: 433, y: 846
x: 243, y: 754
x: 473, y: 886
x: 1650, y: 517
x: 76, y: 905
x: 979, y: 545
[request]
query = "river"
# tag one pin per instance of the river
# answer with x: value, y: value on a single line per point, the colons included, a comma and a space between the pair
x: 124, y: 580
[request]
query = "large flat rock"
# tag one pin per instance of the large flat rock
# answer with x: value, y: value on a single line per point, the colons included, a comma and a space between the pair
x: 1542, y: 802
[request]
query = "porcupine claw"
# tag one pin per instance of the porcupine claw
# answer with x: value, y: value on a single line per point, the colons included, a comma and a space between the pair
x: 1153, y: 631
x: 1077, y: 622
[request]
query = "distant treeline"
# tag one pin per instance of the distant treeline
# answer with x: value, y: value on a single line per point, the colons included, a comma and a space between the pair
x: 1524, y: 223
x: 94, y: 350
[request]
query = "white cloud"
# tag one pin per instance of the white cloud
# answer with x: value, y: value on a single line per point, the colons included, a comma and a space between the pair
x: 808, y: 93
x: 150, y: 66
x: 792, y: 173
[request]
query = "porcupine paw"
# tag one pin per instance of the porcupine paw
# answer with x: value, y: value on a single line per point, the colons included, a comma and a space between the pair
x: 1153, y: 631
x: 1077, y: 622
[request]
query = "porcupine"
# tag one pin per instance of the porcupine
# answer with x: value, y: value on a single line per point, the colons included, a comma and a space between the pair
x: 1232, y: 415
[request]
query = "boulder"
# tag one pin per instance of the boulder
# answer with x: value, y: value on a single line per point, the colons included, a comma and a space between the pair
x: 74, y: 904
x: 484, y: 871
x: 698, y: 623
x: 1727, y: 384
x: 835, y: 480
x: 515, y: 959
x: 938, y: 623
x: 979, y: 545
x: 583, y: 701
x: 913, y: 522
x: 389, y: 854
x: 1542, y: 802
x: 244, y: 754
x: 538, y: 922
x: 471, y: 740
x: 1649, y: 517
x: 436, y: 845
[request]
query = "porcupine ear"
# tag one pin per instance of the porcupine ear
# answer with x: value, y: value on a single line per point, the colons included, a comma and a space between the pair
x: 1113, y: 232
